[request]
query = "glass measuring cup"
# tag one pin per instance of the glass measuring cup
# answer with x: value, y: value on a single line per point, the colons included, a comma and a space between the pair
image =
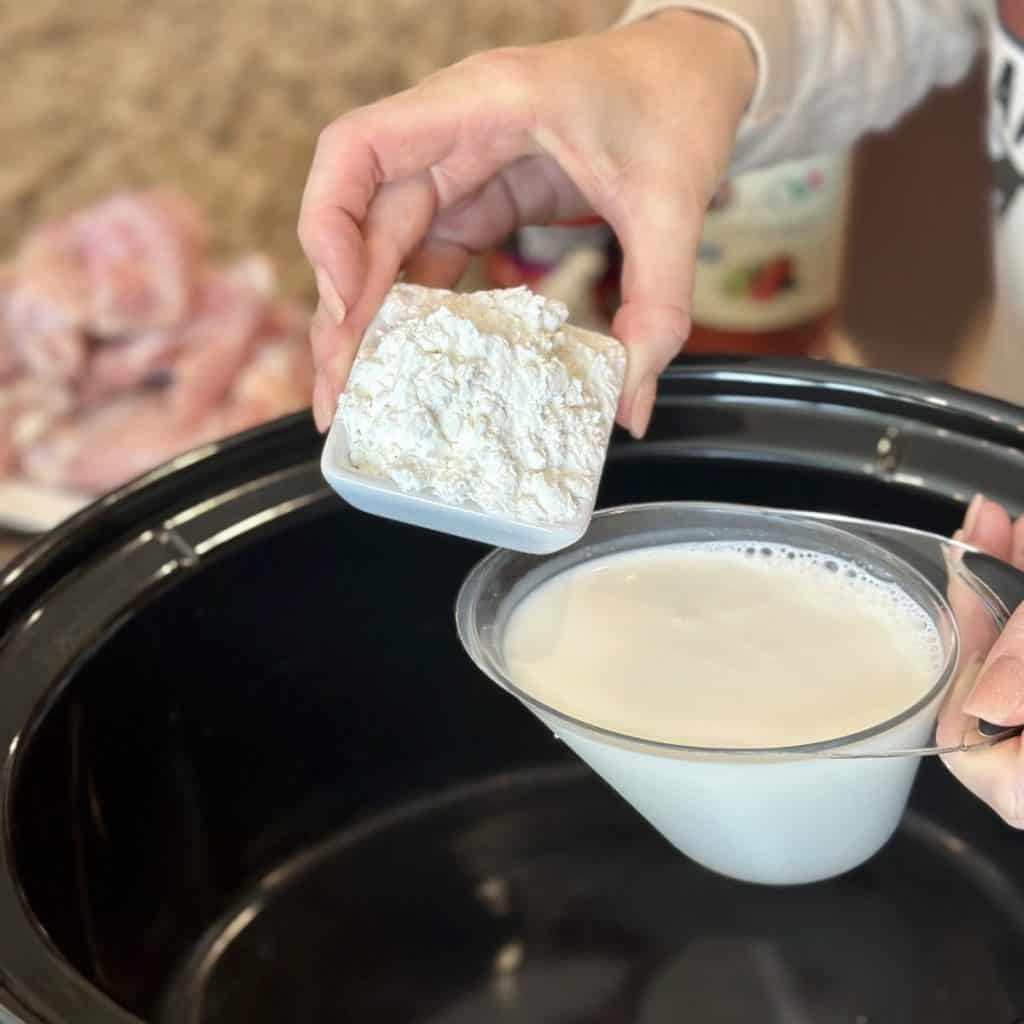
x: 775, y: 814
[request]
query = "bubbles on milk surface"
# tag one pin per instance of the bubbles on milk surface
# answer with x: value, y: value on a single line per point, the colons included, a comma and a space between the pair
x: 885, y: 596
x: 724, y: 644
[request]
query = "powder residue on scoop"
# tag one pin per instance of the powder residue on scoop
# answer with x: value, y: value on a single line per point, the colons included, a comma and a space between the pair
x: 489, y: 398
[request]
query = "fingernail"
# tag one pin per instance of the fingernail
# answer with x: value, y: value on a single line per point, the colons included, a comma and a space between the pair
x: 970, y: 520
x: 958, y: 536
x: 643, y: 407
x: 998, y: 696
x: 323, y: 411
x: 332, y: 301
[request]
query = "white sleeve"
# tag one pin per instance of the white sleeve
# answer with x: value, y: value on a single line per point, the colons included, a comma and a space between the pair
x: 831, y: 70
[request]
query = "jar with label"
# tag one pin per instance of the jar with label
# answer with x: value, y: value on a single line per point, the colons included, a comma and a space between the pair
x: 770, y: 259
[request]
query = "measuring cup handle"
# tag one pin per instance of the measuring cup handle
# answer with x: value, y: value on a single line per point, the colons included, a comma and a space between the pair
x: 1006, y: 582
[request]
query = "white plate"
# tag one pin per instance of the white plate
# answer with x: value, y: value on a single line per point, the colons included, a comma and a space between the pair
x: 383, y: 498
x: 30, y: 508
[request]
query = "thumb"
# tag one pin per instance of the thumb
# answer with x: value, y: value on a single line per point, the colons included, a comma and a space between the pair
x: 999, y: 694
x: 659, y: 232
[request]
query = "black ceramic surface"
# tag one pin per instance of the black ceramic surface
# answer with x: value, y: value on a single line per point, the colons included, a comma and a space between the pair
x: 540, y: 898
x: 224, y: 667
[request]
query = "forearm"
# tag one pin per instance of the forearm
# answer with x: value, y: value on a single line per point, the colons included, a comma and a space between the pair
x: 829, y: 72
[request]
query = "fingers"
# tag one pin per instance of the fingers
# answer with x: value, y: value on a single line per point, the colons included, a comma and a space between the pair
x: 399, y: 217
x: 988, y: 528
x: 996, y: 694
x: 355, y: 156
x: 462, y: 124
x: 659, y: 241
x: 996, y: 776
x: 1017, y: 544
x: 659, y: 232
x: 340, y: 187
x: 320, y: 337
x: 532, y: 190
x: 437, y: 264
x: 395, y: 224
x: 378, y: 177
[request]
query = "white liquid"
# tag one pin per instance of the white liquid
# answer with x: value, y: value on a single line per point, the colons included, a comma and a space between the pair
x: 723, y: 646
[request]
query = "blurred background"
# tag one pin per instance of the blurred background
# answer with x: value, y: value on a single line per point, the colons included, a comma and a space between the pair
x: 221, y: 103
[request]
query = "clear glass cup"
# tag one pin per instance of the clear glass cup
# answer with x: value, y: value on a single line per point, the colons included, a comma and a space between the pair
x: 780, y: 815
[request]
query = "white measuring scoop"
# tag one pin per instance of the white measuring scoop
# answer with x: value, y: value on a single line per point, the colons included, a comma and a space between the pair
x: 382, y: 497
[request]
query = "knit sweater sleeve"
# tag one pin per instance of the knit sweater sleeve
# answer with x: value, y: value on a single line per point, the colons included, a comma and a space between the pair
x: 830, y: 71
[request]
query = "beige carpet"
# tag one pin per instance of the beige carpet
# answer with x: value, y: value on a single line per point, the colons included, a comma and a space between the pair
x: 223, y: 98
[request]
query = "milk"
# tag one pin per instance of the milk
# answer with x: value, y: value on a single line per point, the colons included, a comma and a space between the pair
x: 745, y: 647
x: 723, y: 645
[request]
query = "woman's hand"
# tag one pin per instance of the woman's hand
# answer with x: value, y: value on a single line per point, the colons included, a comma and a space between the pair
x: 996, y: 775
x: 635, y: 124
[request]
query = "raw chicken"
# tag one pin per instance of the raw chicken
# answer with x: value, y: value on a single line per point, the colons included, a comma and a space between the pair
x: 141, y: 254
x: 275, y: 382
x: 29, y: 407
x: 120, y: 366
x: 215, y: 345
x: 232, y: 308
x: 121, y: 347
x: 108, y: 446
x: 46, y: 306
x: 10, y: 361
x: 113, y: 443
x: 127, y: 264
x: 44, y: 342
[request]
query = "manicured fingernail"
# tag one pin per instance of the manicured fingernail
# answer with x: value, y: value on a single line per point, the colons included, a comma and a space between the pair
x: 970, y: 520
x: 998, y: 696
x: 332, y: 301
x: 643, y: 407
x: 323, y: 410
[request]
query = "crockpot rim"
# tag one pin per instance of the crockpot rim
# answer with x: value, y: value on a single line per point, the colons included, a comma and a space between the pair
x: 110, y: 523
x: 805, y: 381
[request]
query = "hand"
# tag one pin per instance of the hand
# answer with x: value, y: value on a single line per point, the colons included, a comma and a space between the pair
x: 996, y: 775
x: 635, y: 124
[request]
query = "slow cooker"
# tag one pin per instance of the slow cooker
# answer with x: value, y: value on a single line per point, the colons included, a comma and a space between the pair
x: 250, y: 775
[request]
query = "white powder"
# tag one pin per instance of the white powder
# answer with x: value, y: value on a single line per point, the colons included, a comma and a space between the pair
x: 489, y: 398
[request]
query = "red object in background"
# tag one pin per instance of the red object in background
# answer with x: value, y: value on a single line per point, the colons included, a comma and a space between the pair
x: 805, y: 339
x: 506, y: 270
x: 533, y: 252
